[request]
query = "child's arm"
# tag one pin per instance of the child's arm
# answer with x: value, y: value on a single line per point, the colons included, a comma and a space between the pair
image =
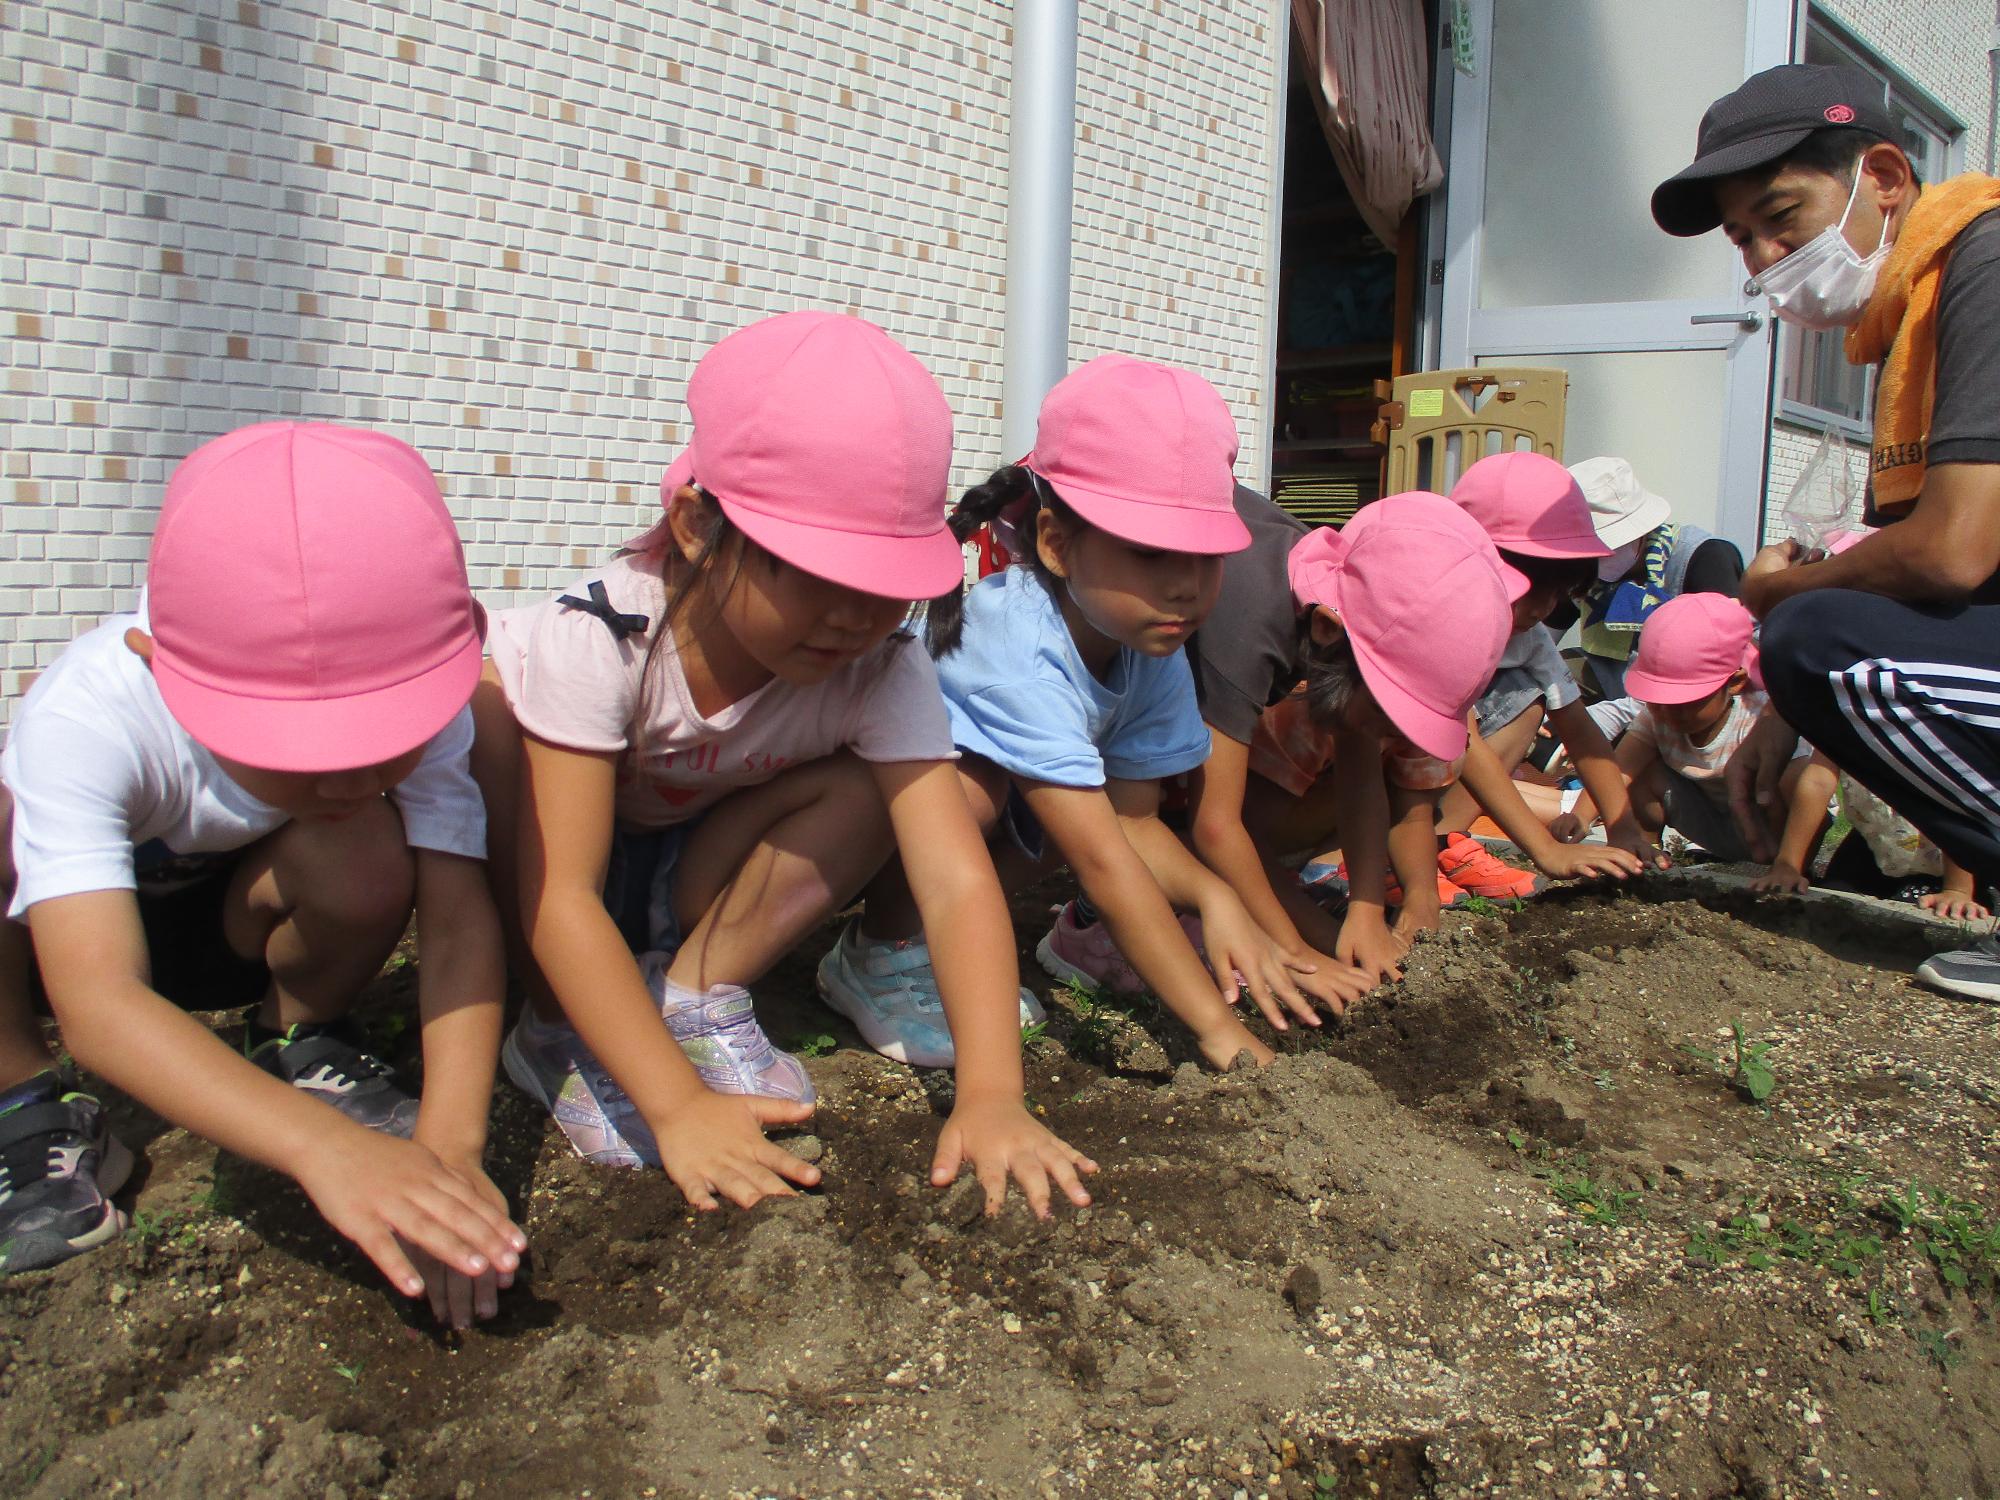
x: 1413, y: 856
x: 1228, y: 848
x: 1493, y: 789
x: 1805, y: 786
x: 972, y: 951
x: 1087, y: 831
x: 1363, y: 804
x: 389, y: 1197
x: 461, y: 984
x: 1236, y: 944
x: 1590, y: 753
x: 1958, y: 899
x: 710, y: 1144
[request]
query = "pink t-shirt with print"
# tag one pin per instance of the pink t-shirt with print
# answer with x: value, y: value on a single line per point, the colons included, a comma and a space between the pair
x: 571, y: 681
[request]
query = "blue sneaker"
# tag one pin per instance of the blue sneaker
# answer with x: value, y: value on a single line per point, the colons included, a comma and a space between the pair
x: 890, y: 993
x: 59, y: 1166
x: 550, y: 1064
x: 719, y: 1033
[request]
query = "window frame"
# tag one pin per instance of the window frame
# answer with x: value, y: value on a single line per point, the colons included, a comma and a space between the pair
x: 1906, y: 99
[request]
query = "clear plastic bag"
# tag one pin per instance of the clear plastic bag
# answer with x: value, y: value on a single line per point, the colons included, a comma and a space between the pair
x: 1823, y: 500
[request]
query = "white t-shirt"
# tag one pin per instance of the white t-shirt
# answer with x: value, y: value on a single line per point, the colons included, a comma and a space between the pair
x: 98, y: 768
x: 574, y: 682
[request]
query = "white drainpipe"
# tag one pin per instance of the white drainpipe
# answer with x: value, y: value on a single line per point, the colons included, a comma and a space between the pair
x: 1040, y: 186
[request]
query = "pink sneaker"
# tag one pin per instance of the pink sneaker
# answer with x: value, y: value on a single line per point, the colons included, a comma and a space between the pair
x: 1086, y: 955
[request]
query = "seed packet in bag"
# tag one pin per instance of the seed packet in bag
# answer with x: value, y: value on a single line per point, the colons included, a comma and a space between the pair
x: 1823, y: 500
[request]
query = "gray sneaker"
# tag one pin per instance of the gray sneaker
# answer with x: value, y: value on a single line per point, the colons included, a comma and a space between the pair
x: 59, y: 1166
x: 325, y: 1064
x: 550, y: 1064
x: 1971, y: 972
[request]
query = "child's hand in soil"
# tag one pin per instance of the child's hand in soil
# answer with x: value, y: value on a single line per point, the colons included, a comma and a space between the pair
x: 1782, y: 878
x: 714, y: 1144
x: 1326, y: 979
x: 1568, y: 828
x: 1001, y: 1140
x: 391, y: 1197
x: 1366, y: 942
x: 1626, y: 834
x: 1588, y: 862
x: 1223, y: 1042
x: 1954, y: 906
x: 1242, y: 958
x: 457, y: 1299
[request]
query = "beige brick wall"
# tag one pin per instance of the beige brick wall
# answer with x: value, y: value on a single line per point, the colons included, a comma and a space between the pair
x: 505, y: 231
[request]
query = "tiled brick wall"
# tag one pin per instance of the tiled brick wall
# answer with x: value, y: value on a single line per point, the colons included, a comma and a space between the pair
x: 503, y: 229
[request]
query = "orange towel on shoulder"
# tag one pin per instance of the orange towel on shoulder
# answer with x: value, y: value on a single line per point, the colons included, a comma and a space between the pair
x: 1900, y: 322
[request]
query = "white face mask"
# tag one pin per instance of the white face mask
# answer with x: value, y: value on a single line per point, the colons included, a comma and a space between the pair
x: 1826, y: 282
x: 1619, y: 563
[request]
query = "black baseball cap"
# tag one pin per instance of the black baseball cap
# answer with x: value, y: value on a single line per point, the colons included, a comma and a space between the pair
x: 1770, y: 114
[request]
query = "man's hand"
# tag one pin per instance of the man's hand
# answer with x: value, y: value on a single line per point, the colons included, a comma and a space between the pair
x: 1755, y: 591
x: 1753, y: 776
x: 1782, y: 878
x: 713, y: 1144
x: 1001, y: 1140
x: 391, y: 1197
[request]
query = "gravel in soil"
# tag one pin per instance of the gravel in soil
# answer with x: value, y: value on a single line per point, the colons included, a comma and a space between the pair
x: 1515, y: 1227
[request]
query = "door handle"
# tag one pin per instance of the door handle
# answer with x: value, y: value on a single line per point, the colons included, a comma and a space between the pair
x: 1748, y: 318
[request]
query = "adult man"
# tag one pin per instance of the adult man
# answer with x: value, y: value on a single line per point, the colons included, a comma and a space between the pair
x: 1886, y: 657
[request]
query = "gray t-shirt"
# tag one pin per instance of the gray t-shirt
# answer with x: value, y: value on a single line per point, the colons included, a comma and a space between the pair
x: 1245, y: 656
x: 1965, y: 415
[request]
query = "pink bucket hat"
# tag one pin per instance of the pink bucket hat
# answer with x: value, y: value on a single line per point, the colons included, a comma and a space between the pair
x: 1146, y: 452
x: 1528, y: 503
x: 1418, y: 586
x: 1690, y: 646
x: 307, y: 599
x: 828, y: 445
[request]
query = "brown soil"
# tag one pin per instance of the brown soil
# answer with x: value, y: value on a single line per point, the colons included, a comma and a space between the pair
x: 1396, y: 1263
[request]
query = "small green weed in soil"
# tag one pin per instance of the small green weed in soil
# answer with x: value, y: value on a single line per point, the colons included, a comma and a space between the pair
x: 1748, y: 1067
x: 1756, y: 1242
x: 1569, y: 1179
x: 817, y: 1045
x: 1954, y: 1234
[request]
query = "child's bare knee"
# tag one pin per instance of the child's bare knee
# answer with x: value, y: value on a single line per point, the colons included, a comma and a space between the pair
x: 358, y: 872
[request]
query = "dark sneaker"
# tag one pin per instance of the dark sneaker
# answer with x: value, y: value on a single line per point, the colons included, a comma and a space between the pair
x: 1971, y: 972
x: 59, y: 1166
x: 326, y: 1065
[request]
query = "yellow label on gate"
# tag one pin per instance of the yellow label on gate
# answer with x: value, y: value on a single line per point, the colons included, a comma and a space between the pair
x: 1426, y: 403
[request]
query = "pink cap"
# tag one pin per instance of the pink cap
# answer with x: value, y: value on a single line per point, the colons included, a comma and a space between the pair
x: 1418, y: 586
x: 1690, y: 646
x: 1530, y: 504
x: 827, y: 444
x: 307, y: 599
x: 1145, y: 451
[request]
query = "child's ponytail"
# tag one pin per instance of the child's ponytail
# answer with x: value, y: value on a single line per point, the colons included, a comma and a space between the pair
x: 944, y: 619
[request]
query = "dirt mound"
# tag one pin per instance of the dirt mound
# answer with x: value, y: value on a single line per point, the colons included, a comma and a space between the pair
x: 1516, y: 1227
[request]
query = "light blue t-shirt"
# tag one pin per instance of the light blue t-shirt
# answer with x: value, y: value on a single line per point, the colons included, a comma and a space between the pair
x: 1019, y: 694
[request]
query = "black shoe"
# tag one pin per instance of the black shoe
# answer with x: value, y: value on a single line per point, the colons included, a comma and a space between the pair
x: 59, y: 1166
x: 326, y: 1065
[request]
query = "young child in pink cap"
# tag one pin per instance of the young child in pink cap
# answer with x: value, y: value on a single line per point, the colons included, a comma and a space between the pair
x: 1537, y: 516
x: 1381, y: 720
x: 1691, y: 675
x: 701, y: 750
x: 236, y: 796
x: 1071, y: 701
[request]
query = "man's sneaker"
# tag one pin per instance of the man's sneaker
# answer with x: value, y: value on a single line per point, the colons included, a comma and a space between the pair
x: 1084, y: 953
x: 1472, y: 867
x: 1971, y: 972
x: 550, y: 1064
x: 59, y: 1166
x: 326, y: 1065
x: 1449, y: 894
x: 889, y: 991
x: 719, y: 1033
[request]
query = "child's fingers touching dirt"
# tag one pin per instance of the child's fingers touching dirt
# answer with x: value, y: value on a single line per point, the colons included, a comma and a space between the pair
x: 1783, y: 879
x: 383, y: 1193
x: 1002, y: 1140
x: 456, y: 1300
x: 714, y: 1145
x: 1589, y: 862
x: 1370, y: 947
x: 1326, y: 979
x: 1567, y: 828
x: 1954, y: 906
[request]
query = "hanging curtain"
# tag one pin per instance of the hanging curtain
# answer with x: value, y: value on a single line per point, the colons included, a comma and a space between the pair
x: 1373, y: 102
